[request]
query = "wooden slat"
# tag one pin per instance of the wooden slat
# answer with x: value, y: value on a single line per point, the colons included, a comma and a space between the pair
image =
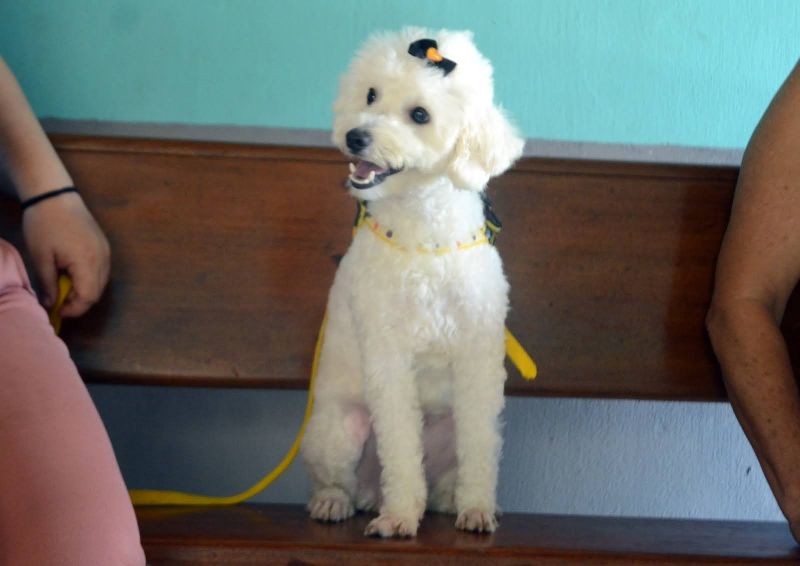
x: 223, y: 255
x: 283, y: 534
x: 611, y: 270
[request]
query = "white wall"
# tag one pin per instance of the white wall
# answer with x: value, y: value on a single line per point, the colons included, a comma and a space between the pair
x: 571, y: 456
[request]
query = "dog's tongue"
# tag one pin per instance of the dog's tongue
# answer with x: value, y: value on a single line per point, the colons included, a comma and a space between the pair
x: 364, y: 168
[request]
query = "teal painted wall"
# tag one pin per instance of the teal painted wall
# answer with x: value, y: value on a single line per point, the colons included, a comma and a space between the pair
x: 687, y: 72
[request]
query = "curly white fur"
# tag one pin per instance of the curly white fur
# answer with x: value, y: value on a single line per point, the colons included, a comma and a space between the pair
x: 412, y: 364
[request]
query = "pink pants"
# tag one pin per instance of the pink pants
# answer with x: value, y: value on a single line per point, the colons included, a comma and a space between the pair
x: 62, y: 497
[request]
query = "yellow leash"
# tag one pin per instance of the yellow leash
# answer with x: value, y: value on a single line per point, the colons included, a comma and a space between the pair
x: 157, y: 497
x: 520, y: 358
x: 64, y: 287
x: 514, y: 349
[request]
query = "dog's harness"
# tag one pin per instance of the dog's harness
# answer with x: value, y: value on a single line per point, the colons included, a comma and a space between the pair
x: 486, y: 234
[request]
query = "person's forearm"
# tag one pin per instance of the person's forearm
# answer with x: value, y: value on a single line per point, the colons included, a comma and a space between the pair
x: 28, y: 156
x: 763, y: 391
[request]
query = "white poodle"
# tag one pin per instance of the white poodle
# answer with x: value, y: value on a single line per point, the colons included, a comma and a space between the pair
x: 410, y: 382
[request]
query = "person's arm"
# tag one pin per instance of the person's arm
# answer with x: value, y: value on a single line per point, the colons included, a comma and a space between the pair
x: 758, y: 267
x: 60, y: 232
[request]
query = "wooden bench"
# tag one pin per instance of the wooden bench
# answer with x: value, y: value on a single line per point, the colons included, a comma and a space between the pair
x: 223, y: 256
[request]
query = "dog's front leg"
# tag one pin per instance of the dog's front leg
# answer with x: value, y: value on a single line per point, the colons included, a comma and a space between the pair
x: 397, y: 420
x: 478, y: 399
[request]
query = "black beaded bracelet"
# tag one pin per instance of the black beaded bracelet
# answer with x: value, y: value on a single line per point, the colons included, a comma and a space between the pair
x: 44, y: 196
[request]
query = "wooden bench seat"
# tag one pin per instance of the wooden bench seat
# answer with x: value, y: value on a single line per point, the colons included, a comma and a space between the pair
x: 222, y: 258
x: 283, y: 534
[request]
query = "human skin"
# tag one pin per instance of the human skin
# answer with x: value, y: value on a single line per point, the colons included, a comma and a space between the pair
x: 60, y: 232
x: 757, y: 269
x: 64, y: 500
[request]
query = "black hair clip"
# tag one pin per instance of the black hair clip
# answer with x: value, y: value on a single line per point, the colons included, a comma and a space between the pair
x: 428, y: 50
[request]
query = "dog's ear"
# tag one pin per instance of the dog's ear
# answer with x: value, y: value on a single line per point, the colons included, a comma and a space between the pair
x: 487, y: 145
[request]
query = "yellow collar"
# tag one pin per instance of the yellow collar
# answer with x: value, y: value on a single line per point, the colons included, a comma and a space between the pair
x: 485, y: 234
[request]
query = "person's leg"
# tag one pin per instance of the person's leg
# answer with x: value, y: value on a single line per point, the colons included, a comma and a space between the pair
x: 62, y: 497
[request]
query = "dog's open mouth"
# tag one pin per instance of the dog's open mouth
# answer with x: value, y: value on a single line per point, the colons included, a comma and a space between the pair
x: 366, y: 174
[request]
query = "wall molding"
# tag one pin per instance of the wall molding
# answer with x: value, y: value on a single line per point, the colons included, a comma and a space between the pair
x: 654, y: 153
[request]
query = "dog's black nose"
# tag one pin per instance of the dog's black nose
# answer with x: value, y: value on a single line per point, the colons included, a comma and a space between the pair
x: 358, y: 140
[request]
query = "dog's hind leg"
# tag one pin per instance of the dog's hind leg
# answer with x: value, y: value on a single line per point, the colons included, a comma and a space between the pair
x: 339, y: 423
x: 332, y: 449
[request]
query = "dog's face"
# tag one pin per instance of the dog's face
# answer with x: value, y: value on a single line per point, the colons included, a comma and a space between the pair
x: 409, y: 120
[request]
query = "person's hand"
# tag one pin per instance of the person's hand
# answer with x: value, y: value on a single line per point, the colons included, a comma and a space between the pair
x: 62, y: 236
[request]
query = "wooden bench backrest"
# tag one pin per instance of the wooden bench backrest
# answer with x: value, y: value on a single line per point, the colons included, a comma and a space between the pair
x: 223, y: 255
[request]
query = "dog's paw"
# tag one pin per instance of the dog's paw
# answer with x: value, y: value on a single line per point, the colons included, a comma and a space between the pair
x: 477, y: 520
x: 388, y: 526
x: 330, y: 505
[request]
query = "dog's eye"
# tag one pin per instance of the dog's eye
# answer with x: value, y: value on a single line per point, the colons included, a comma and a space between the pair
x: 372, y: 95
x: 420, y: 115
